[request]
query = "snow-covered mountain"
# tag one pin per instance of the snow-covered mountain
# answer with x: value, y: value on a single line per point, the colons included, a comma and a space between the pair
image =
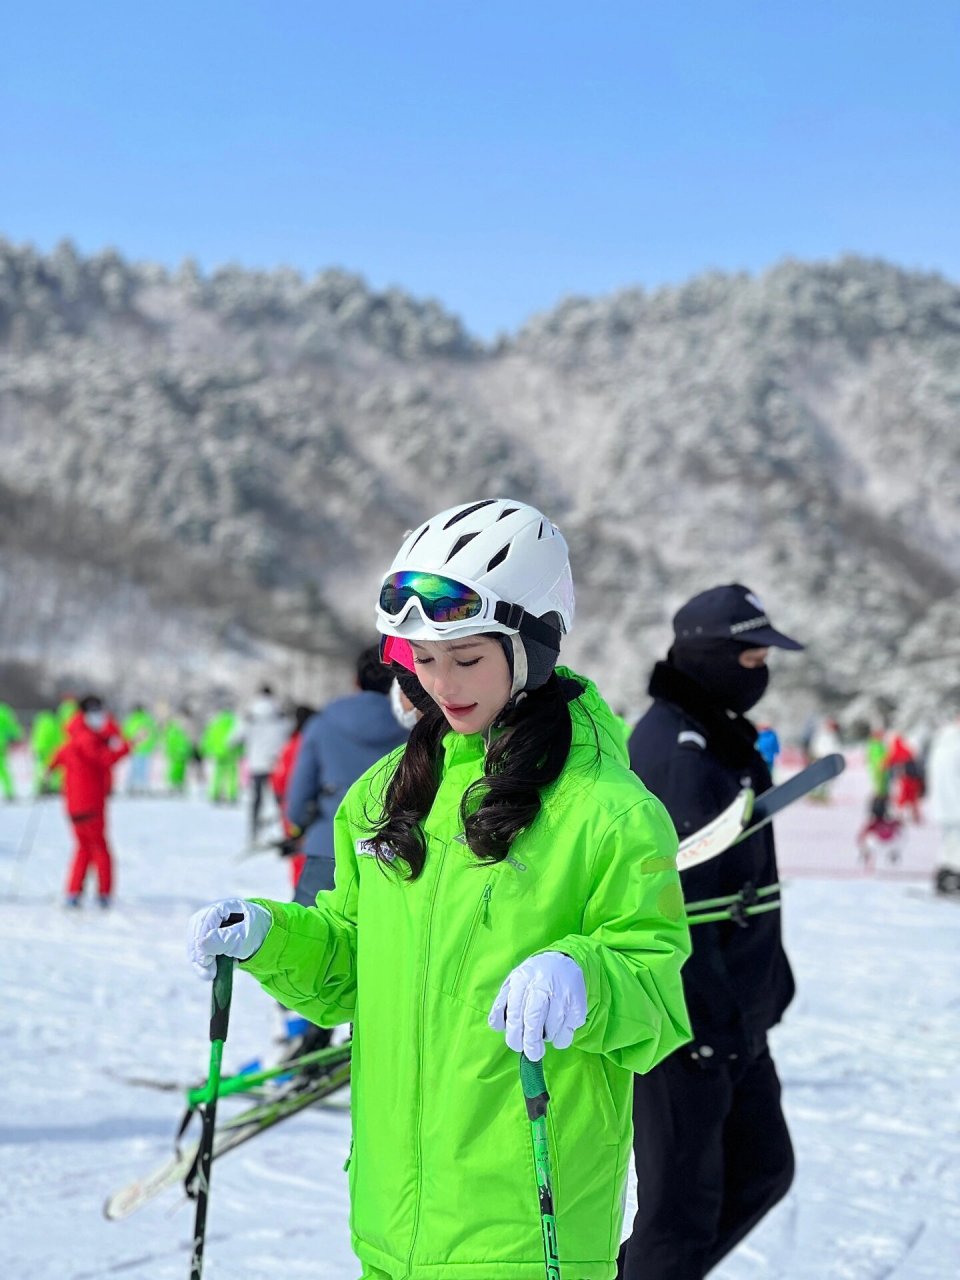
x: 203, y: 476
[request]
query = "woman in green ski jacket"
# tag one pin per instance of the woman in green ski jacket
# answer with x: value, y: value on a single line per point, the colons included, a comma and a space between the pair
x: 503, y: 883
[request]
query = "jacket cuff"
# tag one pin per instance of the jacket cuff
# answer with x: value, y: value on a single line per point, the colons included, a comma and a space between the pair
x: 266, y: 959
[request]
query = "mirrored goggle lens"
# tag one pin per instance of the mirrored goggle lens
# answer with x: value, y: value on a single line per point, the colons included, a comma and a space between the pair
x: 442, y: 599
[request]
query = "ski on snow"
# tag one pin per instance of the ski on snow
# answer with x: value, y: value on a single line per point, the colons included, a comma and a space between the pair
x: 181, y: 1167
x: 748, y: 814
x: 249, y: 1080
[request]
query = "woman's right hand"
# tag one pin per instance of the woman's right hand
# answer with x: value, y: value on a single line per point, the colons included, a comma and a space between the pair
x: 231, y: 927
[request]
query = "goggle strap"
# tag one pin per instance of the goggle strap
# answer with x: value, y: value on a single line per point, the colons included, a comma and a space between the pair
x: 516, y: 618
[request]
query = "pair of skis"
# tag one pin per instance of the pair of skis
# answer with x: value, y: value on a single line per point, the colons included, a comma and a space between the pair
x: 316, y: 1075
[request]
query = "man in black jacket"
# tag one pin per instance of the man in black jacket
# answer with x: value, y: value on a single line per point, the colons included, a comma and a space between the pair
x: 712, y: 1149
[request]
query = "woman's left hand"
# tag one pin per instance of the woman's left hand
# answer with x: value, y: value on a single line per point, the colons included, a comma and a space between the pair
x: 545, y: 998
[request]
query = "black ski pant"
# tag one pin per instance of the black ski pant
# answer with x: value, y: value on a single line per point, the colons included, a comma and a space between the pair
x: 713, y: 1155
x: 259, y: 784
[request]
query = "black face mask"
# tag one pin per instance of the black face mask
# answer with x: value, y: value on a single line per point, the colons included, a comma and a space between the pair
x: 717, y: 668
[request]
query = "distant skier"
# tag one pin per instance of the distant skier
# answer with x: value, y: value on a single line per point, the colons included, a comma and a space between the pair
x: 712, y: 1149
x: 94, y: 745
x: 943, y: 778
x: 221, y: 750
x: 11, y: 731
x: 178, y: 749
x: 768, y: 744
x: 46, y: 739
x: 262, y: 731
x: 906, y: 777
x: 503, y: 883
x: 280, y: 782
x: 140, y: 726
x: 876, y: 757
x: 880, y: 840
x: 67, y: 708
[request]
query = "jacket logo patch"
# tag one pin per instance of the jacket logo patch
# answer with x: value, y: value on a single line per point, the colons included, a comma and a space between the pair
x: 514, y: 862
x: 368, y: 849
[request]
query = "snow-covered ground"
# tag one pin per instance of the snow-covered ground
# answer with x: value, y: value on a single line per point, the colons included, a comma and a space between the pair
x: 868, y: 1055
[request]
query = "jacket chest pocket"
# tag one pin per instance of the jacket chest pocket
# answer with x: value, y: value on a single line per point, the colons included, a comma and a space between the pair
x: 481, y: 920
x: 491, y: 940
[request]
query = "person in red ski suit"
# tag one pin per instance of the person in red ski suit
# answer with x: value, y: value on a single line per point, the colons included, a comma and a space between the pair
x: 280, y: 780
x: 94, y: 745
x: 881, y: 834
x: 904, y: 769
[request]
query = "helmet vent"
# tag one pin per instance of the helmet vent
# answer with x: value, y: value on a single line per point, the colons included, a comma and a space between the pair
x: 540, y: 534
x: 510, y: 511
x: 418, y: 537
x: 459, y: 515
x: 498, y: 558
x: 459, y: 545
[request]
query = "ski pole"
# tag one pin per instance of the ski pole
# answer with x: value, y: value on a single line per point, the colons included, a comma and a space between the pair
x: 535, y: 1092
x: 25, y: 847
x: 219, y: 1019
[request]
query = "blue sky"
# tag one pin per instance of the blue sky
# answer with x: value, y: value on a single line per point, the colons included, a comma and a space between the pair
x: 495, y: 156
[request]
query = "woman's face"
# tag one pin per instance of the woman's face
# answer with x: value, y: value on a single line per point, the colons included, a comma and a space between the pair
x: 468, y: 679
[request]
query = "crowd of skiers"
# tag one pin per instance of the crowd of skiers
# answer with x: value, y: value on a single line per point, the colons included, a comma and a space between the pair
x: 166, y: 750
x: 171, y: 739
x: 76, y: 747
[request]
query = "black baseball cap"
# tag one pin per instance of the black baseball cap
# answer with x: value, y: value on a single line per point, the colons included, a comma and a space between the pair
x: 731, y: 612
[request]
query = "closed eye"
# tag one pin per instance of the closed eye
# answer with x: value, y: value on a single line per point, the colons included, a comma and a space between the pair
x: 472, y: 663
x: 421, y: 662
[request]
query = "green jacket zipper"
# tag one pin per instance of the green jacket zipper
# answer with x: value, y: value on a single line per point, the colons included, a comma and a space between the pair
x: 423, y: 1001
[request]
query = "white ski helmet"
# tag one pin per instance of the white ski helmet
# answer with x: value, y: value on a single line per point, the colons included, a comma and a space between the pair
x: 496, y: 566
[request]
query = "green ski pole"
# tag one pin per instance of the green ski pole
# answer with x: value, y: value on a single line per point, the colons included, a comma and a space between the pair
x: 219, y: 1019
x: 535, y: 1092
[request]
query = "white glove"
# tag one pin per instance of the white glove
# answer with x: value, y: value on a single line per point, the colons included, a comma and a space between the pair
x: 545, y: 998
x: 208, y: 937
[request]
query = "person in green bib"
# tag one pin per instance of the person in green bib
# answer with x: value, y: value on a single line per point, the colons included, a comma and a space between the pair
x: 222, y: 746
x: 11, y: 731
x: 503, y: 883
x: 46, y: 739
x: 140, y: 727
x: 178, y: 748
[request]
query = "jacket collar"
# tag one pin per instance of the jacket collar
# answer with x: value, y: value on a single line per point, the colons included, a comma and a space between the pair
x: 730, y: 737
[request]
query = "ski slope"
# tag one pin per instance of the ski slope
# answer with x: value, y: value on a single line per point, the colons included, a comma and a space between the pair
x: 868, y: 1057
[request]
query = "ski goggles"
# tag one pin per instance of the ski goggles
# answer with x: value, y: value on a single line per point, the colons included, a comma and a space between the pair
x: 441, y: 600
